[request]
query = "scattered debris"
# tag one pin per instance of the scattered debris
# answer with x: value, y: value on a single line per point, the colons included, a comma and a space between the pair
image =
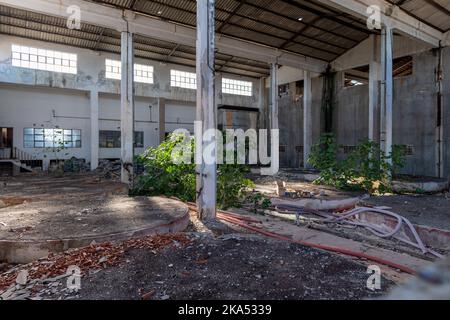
x: 109, y: 169
x: 75, y: 165
x: 20, y: 282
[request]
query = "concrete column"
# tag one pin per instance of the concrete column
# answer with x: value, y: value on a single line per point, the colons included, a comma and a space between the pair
x: 94, y: 128
x: 274, y: 98
x: 262, y: 104
x: 374, y: 88
x: 162, y: 119
x: 307, y: 117
x: 127, y: 108
x: 387, y: 90
x: 206, y: 111
x: 440, y: 116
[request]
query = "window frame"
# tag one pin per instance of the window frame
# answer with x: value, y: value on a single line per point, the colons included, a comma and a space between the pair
x: 43, y: 138
x: 116, y: 141
x: 237, y: 87
x: 183, y: 79
x: 43, y: 59
x: 142, y: 73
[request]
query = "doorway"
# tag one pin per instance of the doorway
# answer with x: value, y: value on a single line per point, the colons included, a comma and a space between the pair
x: 6, y: 143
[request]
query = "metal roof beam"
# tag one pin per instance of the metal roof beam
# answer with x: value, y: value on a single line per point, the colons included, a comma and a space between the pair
x: 120, y: 20
x: 391, y: 16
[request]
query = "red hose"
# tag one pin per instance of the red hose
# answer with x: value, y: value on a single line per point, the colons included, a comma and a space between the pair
x: 323, y: 247
x: 242, y: 222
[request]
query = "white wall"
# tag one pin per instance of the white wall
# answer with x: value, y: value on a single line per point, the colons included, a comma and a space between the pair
x: 28, y: 98
x: 28, y: 107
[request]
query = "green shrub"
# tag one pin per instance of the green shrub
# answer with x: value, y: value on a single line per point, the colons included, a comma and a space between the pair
x: 163, y: 176
x: 365, y: 168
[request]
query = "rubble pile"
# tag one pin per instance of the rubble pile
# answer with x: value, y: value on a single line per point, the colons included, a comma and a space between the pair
x: 109, y: 169
x: 75, y: 165
x: 46, y: 275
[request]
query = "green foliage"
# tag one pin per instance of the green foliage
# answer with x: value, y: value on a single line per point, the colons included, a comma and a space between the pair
x: 231, y: 184
x: 365, y: 168
x: 164, y: 176
x: 258, y: 202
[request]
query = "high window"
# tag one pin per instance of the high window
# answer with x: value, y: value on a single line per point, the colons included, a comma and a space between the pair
x: 42, y: 59
x: 237, y: 87
x: 142, y: 73
x: 182, y: 79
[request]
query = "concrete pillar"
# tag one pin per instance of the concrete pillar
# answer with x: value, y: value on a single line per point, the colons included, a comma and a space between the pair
x: 374, y: 89
x: 273, y: 115
x: 127, y: 108
x: 206, y: 111
x: 387, y: 90
x: 162, y: 119
x: 262, y: 104
x: 440, y: 116
x: 94, y: 128
x: 307, y: 117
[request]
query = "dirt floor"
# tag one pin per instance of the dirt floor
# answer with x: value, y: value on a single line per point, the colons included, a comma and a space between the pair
x: 231, y: 267
x: 428, y: 210
x: 218, y: 261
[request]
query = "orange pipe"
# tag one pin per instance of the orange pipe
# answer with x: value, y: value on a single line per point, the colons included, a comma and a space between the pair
x: 242, y: 222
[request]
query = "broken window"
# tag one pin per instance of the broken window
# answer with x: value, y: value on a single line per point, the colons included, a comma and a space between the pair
x: 142, y: 73
x: 348, y: 149
x: 182, y: 79
x: 51, y: 138
x: 407, y: 149
x: 401, y: 67
x: 237, y: 87
x: 42, y: 59
x: 283, y: 90
x: 111, y: 139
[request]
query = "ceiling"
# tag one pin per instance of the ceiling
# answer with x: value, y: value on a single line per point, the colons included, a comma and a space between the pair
x: 298, y: 26
x: 435, y: 13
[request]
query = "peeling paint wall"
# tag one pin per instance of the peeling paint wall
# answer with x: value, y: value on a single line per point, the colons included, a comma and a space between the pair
x: 28, y: 97
x: 414, y: 115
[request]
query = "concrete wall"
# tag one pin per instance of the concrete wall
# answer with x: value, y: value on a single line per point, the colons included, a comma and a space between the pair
x: 291, y: 122
x: 446, y: 110
x: 414, y: 115
x: 33, y: 98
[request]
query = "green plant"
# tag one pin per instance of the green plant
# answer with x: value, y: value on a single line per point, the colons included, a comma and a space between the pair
x: 164, y: 176
x: 258, y: 201
x: 364, y: 168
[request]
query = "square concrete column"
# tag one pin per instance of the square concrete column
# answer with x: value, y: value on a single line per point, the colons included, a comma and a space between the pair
x: 94, y: 128
x: 127, y: 108
x: 374, y: 89
x: 307, y: 117
x: 262, y: 104
x: 206, y: 111
x: 162, y: 119
x: 273, y: 115
x: 387, y: 91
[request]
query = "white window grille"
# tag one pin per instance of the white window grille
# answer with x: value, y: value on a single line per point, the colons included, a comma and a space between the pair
x: 237, y: 87
x: 42, y: 59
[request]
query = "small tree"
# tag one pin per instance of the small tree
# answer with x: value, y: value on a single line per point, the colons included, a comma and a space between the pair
x: 365, y: 168
x: 164, y: 175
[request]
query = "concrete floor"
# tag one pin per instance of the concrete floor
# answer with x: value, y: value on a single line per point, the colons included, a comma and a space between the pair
x: 54, y: 214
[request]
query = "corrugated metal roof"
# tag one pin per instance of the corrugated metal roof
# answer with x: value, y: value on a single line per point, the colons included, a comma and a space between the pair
x: 293, y: 25
x: 436, y: 13
x: 300, y: 26
x: 26, y: 24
